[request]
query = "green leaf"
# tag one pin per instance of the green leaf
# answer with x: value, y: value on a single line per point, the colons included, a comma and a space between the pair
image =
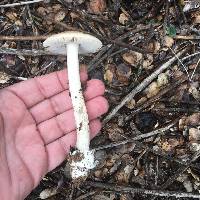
x: 171, y: 30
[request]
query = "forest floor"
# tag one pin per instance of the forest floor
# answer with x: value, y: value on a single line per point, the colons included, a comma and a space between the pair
x: 149, y: 146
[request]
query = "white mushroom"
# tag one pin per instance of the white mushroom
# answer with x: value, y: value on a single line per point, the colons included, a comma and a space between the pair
x: 72, y: 44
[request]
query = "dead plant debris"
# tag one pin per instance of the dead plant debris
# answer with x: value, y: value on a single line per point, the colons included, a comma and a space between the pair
x: 150, y: 142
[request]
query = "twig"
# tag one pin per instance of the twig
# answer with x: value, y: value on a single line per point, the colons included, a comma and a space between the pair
x: 186, y: 37
x: 179, y: 172
x: 128, y: 46
x: 24, y: 52
x: 128, y: 189
x: 140, y: 145
x: 62, y: 24
x: 23, y: 38
x: 20, y: 3
x: 142, y: 86
x: 98, y: 56
x: 177, y: 110
x: 184, y: 67
x: 139, y: 137
x: 155, y: 98
x: 155, y: 132
x: 105, y: 56
x: 195, y: 69
x: 189, y: 56
x: 137, y: 30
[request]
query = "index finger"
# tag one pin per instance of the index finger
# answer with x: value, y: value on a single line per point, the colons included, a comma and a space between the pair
x: 35, y: 90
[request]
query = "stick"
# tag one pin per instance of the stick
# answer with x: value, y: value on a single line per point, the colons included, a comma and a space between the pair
x: 186, y: 37
x: 142, y: 86
x: 139, y: 137
x: 24, y: 52
x: 20, y: 3
x: 24, y: 38
x: 155, y: 98
x: 189, y: 56
x: 128, y: 189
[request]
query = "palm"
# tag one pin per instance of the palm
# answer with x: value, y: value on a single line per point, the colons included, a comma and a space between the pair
x: 38, y: 128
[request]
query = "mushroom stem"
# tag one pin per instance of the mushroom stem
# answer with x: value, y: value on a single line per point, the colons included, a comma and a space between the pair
x: 74, y: 43
x: 80, y: 111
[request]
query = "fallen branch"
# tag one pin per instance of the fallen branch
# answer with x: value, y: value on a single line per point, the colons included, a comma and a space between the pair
x: 142, y: 86
x: 133, y: 190
x: 20, y: 3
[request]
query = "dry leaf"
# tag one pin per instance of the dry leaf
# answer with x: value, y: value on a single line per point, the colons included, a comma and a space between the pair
x: 132, y: 57
x: 114, y: 132
x: 194, y: 91
x: 123, y: 19
x: 169, y: 144
x: 108, y: 76
x: 168, y: 41
x: 154, y: 46
x: 147, y: 62
x: 194, y: 135
x: 42, y: 11
x: 60, y: 16
x: 97, y: 6
x: 56, y: 7
x: 123, y: 175
x: 162, y: 79
x: 152, y: 89
x: 12, y: 16
x: 47, y: 193
x: 123, y: 73
x: 130, y: 104
x: 4, y: 78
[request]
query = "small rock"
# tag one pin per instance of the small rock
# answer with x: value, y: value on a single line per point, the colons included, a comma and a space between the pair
x: 194, y: 135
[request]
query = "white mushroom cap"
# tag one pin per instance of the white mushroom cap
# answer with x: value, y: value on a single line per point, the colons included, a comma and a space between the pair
x: 58, y: 43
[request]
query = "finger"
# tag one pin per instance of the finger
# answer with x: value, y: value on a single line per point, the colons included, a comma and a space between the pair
x: 40, y: 88
x: 64, y: 123
x: 58, y: 150
x: 62, y: 102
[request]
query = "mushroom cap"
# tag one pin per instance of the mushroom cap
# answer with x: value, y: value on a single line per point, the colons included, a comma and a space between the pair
x: 58, y: 43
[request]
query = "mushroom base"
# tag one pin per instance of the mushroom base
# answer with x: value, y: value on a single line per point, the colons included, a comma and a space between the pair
x: 81, y: 163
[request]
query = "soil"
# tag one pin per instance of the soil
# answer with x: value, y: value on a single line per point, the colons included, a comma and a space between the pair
x: 149, y: 145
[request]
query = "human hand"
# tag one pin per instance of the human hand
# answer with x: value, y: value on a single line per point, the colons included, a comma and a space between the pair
x: 37, y: 129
